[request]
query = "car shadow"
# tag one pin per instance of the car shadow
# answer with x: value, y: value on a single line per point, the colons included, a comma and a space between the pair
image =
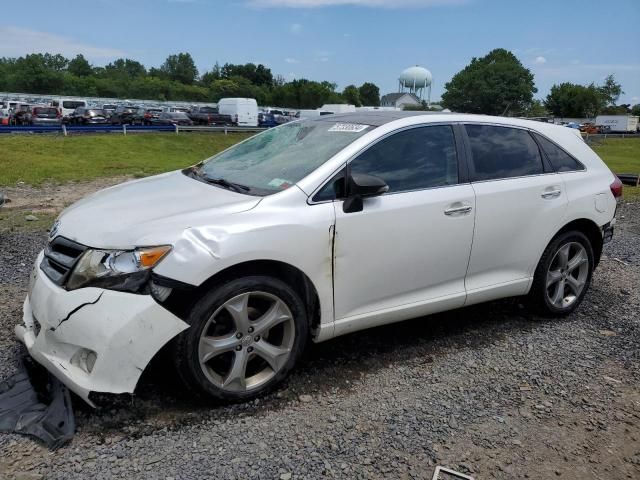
x: 339, y: 364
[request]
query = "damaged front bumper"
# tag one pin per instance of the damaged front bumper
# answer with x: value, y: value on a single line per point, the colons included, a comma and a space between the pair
x: 92, y: 339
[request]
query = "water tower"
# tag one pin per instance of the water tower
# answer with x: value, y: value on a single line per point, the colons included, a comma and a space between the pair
x: 416, y: 80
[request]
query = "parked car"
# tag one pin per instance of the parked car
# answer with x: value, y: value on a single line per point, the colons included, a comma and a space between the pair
x: 7, y: 106
x: 314, y: 229
x: 67, y: 106
x: 127, y: 115
x: 267, y: 120
x: 243, y: 111
x: 46, y: 116
x: 176, y: 109
x: 208, y: 116
x: 172, y: 118
x: 109, y: 108
x: 88, y: 116
x: 20, y: 115
x: 149, y: 114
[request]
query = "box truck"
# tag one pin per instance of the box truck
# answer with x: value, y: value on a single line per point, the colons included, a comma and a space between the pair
x: 618, y: 123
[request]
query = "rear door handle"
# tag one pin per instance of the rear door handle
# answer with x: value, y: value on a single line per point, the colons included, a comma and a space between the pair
x: 547, y: 194
x: 464, y: 209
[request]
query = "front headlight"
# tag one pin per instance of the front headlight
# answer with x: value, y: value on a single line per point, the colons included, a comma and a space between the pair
x: 116, y: 269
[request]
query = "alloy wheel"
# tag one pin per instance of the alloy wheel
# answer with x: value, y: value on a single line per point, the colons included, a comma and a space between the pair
x: 246, y: 341
x: 567, y: 275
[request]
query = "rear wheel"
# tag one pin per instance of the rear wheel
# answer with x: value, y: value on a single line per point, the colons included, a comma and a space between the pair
x: 563, y: 275
x: 244, y: 339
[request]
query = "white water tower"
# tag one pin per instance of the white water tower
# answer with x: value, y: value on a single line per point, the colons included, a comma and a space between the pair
x: 416, y: 80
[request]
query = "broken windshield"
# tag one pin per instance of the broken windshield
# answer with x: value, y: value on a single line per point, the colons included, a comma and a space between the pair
x: 280, y: 157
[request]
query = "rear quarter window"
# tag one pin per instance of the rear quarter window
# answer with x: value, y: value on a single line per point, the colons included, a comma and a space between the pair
x: 503, y: 152
x: 560, y: 160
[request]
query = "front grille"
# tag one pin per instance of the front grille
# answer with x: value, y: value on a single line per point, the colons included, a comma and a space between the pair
x: 60, y: 256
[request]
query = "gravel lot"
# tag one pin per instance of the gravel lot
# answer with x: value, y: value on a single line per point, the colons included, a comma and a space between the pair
x: 488, y: 390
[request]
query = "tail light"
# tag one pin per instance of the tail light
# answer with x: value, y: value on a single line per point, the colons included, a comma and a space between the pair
x: 616, y: 188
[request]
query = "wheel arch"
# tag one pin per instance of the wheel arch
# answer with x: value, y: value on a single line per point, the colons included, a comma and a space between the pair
x: 181, y: 300
x: 591, y: 230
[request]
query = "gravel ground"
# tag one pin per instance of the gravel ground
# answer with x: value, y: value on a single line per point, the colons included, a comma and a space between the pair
x: 489, y: 390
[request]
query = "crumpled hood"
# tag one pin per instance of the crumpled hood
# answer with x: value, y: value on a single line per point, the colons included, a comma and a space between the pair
x: 153, y: 210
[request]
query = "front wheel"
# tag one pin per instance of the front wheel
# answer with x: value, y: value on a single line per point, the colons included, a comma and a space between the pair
x: 563, y: 275
x: 244, y: 339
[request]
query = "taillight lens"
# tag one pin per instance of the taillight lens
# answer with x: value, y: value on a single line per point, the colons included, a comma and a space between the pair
x: 616, y: 188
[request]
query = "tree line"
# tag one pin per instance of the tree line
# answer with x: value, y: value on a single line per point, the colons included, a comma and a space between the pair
x: 176, y: 79
x: 496, y: 84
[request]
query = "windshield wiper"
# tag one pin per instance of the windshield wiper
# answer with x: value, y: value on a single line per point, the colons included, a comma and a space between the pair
x: 196, y: 172
x: 226, y: 184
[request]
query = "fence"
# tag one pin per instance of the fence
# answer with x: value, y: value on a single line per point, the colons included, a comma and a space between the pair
x: 124, y: 129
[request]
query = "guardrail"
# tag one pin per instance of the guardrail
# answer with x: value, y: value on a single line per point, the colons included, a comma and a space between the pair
x: 202, y: 128
x: 124, y: 129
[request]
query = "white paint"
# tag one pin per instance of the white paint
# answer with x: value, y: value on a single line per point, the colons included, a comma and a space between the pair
x: 399, y: 258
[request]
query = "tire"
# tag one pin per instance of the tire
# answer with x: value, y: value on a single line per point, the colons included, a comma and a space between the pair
x: 224, y: 352
x: 558, y: 285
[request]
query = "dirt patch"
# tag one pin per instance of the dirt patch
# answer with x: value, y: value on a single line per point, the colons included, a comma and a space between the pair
x: 52, y: 198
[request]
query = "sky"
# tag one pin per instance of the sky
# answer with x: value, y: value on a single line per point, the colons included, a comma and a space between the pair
x: 343, y: 41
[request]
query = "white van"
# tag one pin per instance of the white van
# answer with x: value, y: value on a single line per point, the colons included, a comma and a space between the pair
x: 243, y: 111
x: 6, y: 106
x: 66, y: 106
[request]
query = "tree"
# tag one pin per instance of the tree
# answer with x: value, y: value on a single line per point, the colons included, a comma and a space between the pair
x: 611, y: 90
x: 125, y: 67
x: 635, y: 110
x: 351, y: 95
x: 79, y: 67
x: 495, y: 84
x: 55, y: 62
x: 572, y: 100
x: 536, y: 109
x: 256, y: 74
x: 31, y: 74
x: 180, y: 68
x: 369, y: 95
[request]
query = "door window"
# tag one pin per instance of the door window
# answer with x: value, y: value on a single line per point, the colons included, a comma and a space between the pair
x: 503, y: 152
x: 560, y: 160
x: 413, y: 159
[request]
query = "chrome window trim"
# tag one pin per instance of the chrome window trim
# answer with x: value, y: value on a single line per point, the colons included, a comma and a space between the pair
x: 310, y: 200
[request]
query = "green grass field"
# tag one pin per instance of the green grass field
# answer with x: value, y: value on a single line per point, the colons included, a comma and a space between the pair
x: 34, y: 159
x: 622, y: 155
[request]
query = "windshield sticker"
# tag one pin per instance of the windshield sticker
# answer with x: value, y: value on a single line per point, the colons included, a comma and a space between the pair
x: 348, y: 127
x: 280, y: 183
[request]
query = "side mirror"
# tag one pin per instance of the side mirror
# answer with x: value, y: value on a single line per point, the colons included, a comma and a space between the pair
x: 362, y: 185
x: 367, y: 185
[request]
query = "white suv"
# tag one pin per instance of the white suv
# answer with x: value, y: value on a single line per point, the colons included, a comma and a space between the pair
x: 311, y: 230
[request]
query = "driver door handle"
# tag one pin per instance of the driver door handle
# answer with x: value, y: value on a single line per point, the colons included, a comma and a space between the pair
x: 462, y: 210
x: 551, y: 193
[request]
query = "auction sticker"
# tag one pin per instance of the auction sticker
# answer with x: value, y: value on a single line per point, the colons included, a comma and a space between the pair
x: 348, y: 127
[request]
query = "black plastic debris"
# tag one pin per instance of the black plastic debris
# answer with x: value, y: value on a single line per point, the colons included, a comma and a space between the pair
x: 43, y: 411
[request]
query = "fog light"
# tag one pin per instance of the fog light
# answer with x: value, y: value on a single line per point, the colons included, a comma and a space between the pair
x: 84, y: 359
x: 159, y: 292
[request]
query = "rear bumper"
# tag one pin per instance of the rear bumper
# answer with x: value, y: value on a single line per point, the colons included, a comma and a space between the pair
x: 46, y: 123
x: 91, y: 339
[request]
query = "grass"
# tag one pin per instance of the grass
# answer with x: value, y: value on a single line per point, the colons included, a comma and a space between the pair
x: 622, y: 155
x: 35, y: 159
x: 16, y: 221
